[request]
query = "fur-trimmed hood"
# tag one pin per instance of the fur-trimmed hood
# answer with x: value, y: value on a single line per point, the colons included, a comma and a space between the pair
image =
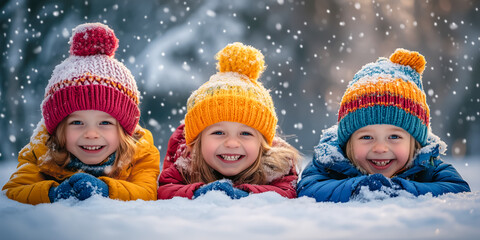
x: 329, y: 153
x: 278, y: 150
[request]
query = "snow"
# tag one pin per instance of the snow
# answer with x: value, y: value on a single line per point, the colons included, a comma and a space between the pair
x: 259, y: 216
x: 312, y: 50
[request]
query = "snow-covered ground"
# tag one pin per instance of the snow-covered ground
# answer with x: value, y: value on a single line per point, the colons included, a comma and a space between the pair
x: 260, y: 216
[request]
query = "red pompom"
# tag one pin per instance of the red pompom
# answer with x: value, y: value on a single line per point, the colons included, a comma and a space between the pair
x: 93, y: 38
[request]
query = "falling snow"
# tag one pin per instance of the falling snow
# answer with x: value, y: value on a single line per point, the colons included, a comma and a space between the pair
x: 312, y: 50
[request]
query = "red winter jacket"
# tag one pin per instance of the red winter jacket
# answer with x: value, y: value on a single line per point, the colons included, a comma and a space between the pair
x: 172, y: 184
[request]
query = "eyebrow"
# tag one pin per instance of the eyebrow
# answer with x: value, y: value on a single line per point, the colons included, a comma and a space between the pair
x: 399, y: 132
x: 360, y: 131
x: 73, y: 115
x: 396, y: 129
x: 103, y: 116
x: 108, y: 117
x: 246, y: 130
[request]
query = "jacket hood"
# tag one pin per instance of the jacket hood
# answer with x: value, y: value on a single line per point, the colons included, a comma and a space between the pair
x: 328, y: 152
x: 278, y: 150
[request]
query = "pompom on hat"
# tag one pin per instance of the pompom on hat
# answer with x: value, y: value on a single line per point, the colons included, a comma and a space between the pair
x: 388, y: 91
x: 233, y: 94
x: 91, y: 79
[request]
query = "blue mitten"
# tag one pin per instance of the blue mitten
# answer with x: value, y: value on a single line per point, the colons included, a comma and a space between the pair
x: 62, y: 191
x: 221, y: 185
x: 86, y: 185
x: 235, y: 193
x: 375, y: 182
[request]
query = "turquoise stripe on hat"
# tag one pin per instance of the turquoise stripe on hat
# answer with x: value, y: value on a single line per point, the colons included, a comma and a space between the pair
x: 381, y: 115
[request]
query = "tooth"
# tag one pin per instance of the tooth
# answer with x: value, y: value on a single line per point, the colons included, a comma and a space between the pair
x: 381, y: 163
x: 92, y: 148
x: 230, y: 158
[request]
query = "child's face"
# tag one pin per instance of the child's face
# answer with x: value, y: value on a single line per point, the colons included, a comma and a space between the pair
x: 383, y: 149
x: 230, y: 147
x: 91, y: 135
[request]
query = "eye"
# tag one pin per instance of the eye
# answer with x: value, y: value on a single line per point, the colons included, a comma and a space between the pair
x: 366, y: 137
x: 217, y: 133
x: 395, y: 136
x: 75, y: 123
x: 106, y: 123
x: 246, y: 134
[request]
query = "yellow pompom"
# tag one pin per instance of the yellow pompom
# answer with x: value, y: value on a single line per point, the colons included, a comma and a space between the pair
x: 409, y: 58
x: 242, y: 59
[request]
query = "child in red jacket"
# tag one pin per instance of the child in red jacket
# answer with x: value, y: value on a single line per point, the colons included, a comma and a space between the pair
x: 228, y: 141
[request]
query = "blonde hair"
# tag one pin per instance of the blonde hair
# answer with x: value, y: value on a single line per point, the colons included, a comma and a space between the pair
x: 57, y: 145
x: 414, y: 147
x: 200, y: 171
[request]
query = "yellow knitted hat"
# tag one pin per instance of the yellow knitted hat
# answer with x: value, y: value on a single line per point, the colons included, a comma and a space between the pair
x: 233, y: 94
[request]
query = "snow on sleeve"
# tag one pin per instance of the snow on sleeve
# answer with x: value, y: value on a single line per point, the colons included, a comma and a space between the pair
x: 433, y: 141
x: 328, y: 150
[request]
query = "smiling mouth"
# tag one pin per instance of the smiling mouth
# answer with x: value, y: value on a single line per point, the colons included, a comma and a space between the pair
x: 92, y: 148
x: 231, y: 157
x: 380, y: 163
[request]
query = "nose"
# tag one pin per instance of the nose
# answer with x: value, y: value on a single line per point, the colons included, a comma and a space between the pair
x: 232, y: 142
x: 90, y: 132
x: 380, y: 147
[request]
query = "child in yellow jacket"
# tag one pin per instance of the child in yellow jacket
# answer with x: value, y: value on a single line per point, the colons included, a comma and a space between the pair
x: 88, y: 141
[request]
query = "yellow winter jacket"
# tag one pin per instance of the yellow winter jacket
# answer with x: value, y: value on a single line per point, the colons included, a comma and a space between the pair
x: 35, y: 174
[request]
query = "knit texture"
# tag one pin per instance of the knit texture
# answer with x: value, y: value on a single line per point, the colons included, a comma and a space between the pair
x: 96, y: 170
x: 233, y: 94
x: 388, y: 91
x: 91, y: 79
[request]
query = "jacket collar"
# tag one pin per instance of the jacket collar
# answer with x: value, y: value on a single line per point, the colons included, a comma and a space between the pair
x: 96, y: 170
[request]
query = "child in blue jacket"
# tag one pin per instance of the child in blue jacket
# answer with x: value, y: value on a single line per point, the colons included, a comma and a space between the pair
x: 382, y: 145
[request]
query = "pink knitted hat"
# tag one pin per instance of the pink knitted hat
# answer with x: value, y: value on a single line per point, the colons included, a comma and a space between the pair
x: 91, y: 79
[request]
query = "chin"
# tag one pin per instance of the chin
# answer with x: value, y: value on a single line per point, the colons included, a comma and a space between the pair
x: 228, y: 173
x: 91, y: 162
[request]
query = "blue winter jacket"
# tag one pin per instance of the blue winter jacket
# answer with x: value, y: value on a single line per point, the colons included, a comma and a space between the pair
x: 332, y: 177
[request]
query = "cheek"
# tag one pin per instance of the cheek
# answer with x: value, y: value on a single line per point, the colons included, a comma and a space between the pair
x: 114, y: 139
x: 403, y: 152
x: 208, y: 148
x: 70, y: 138
x: 359, y: 151
x: 253, y: 149
x: 208, y: 154
x: 115, y: 143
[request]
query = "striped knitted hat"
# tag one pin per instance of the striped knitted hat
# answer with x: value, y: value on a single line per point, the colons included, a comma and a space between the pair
x: 388, y: 91
x: 91, y: 79
x: 233, y: 94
